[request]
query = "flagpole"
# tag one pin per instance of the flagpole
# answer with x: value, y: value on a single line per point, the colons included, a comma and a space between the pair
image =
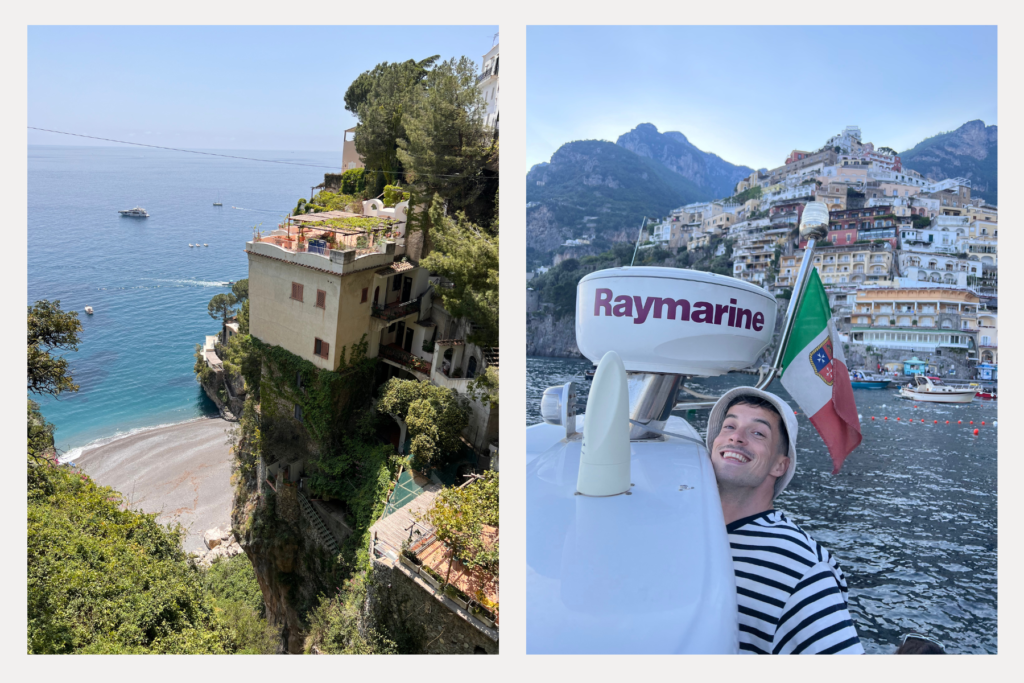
x: 812, y: 229
x: 813, y: 226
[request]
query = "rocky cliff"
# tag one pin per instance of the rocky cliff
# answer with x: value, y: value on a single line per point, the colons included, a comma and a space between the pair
x: 553, y: 337
x: 596, y: 188
x: 710, y: 172
x: 971, y: 151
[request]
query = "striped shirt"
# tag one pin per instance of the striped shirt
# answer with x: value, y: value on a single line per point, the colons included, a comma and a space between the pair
x: 790, y: 591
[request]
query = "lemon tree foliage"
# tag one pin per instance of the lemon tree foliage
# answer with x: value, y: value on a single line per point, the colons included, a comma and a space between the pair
x: 466, y: 255
x: 51, y: 329
x: 435, y: 416
x: 459, y: 516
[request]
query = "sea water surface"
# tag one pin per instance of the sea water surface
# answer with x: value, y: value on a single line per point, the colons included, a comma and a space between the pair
x: 149, y: 290
x: 911, y: 516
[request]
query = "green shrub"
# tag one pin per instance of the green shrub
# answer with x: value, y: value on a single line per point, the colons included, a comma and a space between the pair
x: 393, y: 194
x: 334, y: 625
x: 102, y: 579
x: 353, y: 181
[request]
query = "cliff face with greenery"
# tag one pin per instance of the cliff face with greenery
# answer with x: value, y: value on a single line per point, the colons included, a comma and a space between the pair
x: 597, y: 187
x: 971, y: 151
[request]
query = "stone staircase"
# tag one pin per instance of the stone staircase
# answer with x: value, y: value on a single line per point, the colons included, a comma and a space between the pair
x: 323, y: 534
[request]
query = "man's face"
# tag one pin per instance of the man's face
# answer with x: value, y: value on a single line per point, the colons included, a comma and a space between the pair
x: 748, y: 453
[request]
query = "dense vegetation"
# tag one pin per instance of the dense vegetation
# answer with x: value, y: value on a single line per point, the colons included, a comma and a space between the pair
x: 106, y: 579
x: 435, y: 416
x: 459, y: 516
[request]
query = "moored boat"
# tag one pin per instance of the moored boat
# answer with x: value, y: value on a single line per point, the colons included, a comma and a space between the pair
x: 88, y: 310
x: 859, y: 379
x: 934, y: 390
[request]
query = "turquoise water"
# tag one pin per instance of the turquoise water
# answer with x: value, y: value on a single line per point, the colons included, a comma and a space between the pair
x: 148, y: 288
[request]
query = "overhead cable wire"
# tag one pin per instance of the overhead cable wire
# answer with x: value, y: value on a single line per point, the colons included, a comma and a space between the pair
x: 231, y: 156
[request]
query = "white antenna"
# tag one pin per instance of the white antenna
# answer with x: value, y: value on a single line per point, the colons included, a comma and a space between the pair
x: 644, y: 221
x: 604, y: 457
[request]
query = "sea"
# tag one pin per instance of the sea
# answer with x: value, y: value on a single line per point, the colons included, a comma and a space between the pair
x: 148, y: 288
x: 911, y: 516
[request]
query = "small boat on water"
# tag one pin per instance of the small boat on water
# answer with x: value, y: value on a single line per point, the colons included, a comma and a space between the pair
x: 861, y: 379
x: 88, y: 310
x: 986, y: 393
x: 934, y: 390
x: 137, y: 212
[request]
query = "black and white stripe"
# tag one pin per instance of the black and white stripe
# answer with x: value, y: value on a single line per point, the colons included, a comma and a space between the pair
x: 791, y: 591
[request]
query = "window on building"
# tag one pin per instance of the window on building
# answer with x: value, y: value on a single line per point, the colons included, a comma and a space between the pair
x: 396, y: 283
x: 321, y: 298
x: 365, y: 296
x: 297, y: 291
x: 321, y: 348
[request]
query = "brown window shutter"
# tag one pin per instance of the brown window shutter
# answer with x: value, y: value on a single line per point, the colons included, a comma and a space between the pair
x: 321, y: 298
x: 297, y: 291
x: 366, y: 294
x: 326, y: 348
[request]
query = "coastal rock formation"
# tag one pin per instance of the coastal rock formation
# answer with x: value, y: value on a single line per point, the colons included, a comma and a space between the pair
x: 708, y: 171
x: 553, y: 337
x: 221, y: 543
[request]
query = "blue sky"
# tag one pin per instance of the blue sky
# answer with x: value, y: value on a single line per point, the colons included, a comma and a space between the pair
x: 752, y: 94
x: 255, y: 88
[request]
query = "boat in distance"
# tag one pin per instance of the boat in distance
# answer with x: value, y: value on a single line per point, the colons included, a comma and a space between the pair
x: 934, y: 390
x: 137, y: 212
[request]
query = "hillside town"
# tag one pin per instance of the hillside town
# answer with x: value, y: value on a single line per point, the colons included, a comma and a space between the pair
x: 910, y: 263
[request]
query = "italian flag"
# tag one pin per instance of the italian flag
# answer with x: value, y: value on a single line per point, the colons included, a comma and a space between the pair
x: 814, y: 373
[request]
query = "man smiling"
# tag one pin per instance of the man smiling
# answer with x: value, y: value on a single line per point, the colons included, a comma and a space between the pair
x: 791, y: 591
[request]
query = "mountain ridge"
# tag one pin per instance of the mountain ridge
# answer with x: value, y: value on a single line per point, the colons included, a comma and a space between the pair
x: 675, y: 152
x: 970, y: 151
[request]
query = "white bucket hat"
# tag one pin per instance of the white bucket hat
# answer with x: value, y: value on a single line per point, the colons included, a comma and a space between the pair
x: 717, y: 417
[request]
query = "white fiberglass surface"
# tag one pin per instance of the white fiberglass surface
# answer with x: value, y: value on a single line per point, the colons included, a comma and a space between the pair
x: 650, y: 572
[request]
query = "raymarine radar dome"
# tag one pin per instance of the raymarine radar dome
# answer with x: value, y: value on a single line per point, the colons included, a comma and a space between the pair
x: 675, y: 321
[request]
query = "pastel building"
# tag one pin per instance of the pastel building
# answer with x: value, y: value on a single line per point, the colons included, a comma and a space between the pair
x: 918, y: 318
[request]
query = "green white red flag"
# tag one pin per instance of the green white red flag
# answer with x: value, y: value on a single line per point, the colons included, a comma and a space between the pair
x: 814, y: 373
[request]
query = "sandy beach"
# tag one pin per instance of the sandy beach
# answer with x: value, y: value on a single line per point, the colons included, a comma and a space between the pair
x: 181, y: 471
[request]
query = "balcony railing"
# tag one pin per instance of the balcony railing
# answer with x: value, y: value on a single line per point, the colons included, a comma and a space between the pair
x: 403, y: 357
x: 484, y: 76
x: 395, y: 311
